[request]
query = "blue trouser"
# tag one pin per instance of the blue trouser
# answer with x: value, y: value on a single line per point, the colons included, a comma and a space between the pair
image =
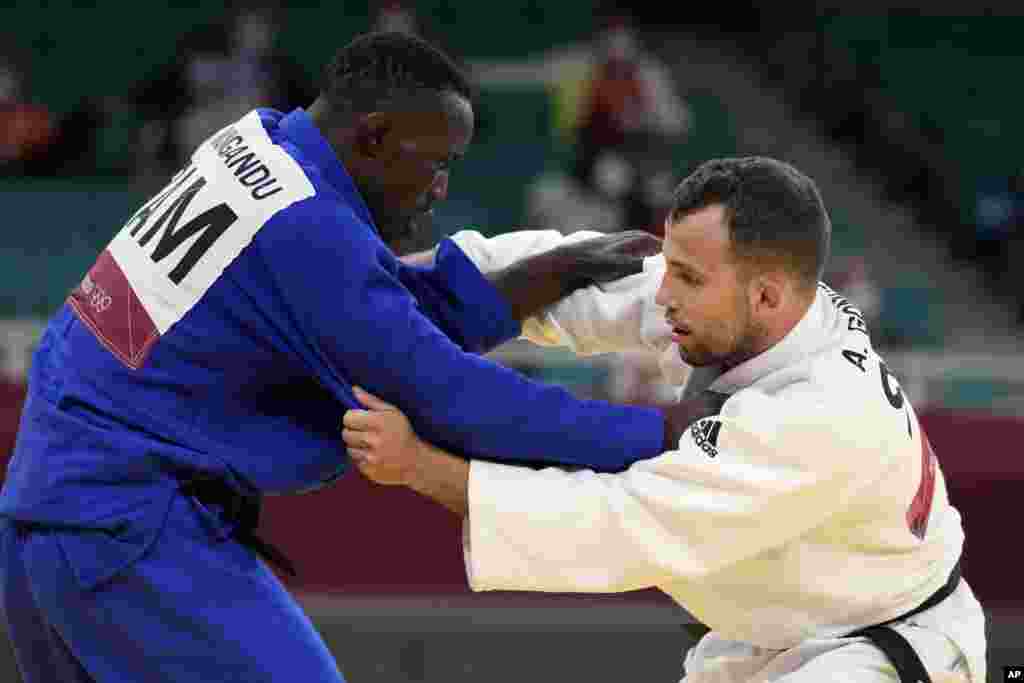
x: 191, y: 609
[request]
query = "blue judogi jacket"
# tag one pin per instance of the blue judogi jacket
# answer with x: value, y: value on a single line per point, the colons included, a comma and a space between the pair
x: 221, y: 332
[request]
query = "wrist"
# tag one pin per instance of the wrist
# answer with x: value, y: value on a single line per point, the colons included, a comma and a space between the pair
x: 416, y: 474
x: 441, y: 477
x: 534, y: 283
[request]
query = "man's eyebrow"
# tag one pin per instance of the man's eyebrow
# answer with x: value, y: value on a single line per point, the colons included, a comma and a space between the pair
x: 672, y: 263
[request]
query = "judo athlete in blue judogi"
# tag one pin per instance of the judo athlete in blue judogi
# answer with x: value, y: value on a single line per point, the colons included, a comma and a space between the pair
x: 206, y: 359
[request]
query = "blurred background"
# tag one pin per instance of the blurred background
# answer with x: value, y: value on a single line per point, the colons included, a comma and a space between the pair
x: 588, y: 115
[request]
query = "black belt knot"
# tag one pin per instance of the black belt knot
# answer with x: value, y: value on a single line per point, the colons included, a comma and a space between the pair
x: 239, y: 509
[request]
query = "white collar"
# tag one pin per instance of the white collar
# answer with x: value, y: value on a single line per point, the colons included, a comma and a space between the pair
x: 807, y: 336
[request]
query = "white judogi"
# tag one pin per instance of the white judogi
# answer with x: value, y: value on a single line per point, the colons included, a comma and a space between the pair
x: 783, y: 523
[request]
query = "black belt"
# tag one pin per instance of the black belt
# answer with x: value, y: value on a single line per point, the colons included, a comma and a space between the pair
x: 239, y: 509
x: 896, y: 648
x: 900, y: 652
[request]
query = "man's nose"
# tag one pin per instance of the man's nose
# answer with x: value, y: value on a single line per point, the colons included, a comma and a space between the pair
x: 662, y: 297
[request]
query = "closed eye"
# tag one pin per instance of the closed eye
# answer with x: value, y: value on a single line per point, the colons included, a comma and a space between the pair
x: 688, y: 277
x: 685, y: 273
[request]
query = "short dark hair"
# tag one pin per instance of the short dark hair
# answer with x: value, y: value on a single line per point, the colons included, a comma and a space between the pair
x: 774, y: 212
x: 377, y: 67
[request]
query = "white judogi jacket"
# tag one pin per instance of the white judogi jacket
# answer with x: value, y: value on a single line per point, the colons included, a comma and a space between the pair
x: 810, y: 507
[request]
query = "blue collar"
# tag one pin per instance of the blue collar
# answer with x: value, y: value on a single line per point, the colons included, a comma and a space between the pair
x: 299, y: 128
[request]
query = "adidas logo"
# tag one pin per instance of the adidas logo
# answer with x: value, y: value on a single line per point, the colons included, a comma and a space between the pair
x: 705, y: 435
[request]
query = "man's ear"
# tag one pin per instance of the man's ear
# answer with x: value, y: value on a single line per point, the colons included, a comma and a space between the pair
x: 769, y: 291
x: 374, y: 137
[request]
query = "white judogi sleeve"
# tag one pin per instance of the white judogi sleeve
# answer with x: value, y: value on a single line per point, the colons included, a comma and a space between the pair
x: 613, y: 317
x: 757, y: 483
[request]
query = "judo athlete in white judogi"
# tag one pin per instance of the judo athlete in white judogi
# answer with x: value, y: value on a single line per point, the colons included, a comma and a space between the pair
x: 806, y: 524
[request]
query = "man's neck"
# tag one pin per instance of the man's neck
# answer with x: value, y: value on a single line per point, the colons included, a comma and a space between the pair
x: 337, y: 137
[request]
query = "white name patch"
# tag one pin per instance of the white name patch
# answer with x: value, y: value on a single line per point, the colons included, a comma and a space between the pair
x: 176, y: 246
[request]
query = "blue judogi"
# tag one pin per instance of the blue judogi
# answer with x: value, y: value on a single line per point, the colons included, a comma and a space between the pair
x: 220, y: 334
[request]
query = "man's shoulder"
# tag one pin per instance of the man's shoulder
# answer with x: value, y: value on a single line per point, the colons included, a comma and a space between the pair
x: 841, y: 383
x: 322, y: 221
x: 322, y: 232
x: 832, y: 385
x: 846, y: 395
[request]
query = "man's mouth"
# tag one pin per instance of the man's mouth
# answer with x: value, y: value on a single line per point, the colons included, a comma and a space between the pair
x: 679, y: 331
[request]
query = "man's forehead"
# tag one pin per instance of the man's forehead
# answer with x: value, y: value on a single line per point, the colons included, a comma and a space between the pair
x: 431, y: 105
x: 451, y: 117
x: 698, y: 238
x: 710, y: 219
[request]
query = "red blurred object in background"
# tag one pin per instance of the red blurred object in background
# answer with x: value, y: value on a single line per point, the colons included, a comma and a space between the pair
x: 26, y: 130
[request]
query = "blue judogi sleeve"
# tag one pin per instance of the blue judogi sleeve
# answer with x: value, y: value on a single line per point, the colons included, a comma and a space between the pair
x: 356, y: 321
x: 450, y: 294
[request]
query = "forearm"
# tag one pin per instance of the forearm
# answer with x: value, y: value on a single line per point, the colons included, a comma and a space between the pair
x: 443, y: 478
x: 536, y: 282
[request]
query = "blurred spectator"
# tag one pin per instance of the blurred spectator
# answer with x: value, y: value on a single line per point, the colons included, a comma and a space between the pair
x: 401, y: 17
x: 34, y: 140
x: 617, y: 103
x: 630, y: 110
x: 999, y: 212
x: 393, y: 16
x: 555, y: 201
x: 625, y: 118
x: 26, y: 129
x: 222, y: 71
x: 1003, y: 216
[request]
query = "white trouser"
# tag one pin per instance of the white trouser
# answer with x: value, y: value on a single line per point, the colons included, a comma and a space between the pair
x: 949, y: 639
